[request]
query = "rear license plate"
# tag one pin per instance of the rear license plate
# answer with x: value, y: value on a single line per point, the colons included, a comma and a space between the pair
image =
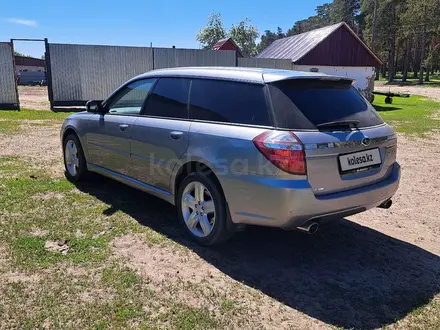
x: 357, y: 160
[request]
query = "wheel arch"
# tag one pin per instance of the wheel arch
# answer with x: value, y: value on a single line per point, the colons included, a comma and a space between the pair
x: 190, y: 167
x: 71, y: 130
x: 194, y: 166
x: 67, y: 131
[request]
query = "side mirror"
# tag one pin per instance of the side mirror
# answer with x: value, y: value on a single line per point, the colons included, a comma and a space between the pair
x: 94, y: 106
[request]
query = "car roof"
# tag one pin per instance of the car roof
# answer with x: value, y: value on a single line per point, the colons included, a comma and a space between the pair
x: 253, y: 75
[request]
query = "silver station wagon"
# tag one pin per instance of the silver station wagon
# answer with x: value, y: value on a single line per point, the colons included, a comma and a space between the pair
x: 231, y: 147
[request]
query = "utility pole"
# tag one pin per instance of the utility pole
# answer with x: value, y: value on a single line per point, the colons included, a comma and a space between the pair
x: 422, y: 58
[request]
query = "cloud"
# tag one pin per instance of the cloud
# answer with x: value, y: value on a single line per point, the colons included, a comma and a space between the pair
x: 27, y: 22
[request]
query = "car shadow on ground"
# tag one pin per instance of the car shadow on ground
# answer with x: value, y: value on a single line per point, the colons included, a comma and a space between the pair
x: 346, y: 275
x: 387, y: 108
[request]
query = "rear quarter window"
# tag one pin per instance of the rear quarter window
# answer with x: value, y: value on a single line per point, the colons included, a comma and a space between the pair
x: 303, y: 104
x: 229, y: 102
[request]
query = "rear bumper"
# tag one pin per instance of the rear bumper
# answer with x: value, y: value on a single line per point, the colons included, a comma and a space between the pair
x: 288, y: 204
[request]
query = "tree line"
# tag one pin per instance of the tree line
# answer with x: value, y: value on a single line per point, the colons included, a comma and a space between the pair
x: 405, y: 34
x: 23, y: 55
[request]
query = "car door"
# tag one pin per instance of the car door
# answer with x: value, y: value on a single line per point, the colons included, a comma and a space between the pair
x: 108, y: 138
x: 160, y: 134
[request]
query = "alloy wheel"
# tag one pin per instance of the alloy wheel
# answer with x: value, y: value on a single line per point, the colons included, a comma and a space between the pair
x: 198, y: 209
x: 71, y: 158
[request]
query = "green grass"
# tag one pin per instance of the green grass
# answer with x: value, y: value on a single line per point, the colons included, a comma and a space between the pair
x: 79, y: 301
x: 425, y: 317
x: 117, y: 296
x: 120, y: 278
x: 434, y: 80
x: 188, y: 318
x: 227, y: 305
x: 27, y: 114
x: 30, y: 252
x: 33, y: 200
x: 10, y: 120
x: 413, y: 115
x: 9, y: 126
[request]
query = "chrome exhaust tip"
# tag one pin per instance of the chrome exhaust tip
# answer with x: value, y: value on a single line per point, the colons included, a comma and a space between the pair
x: 386, y: 205
x: 309, y: 227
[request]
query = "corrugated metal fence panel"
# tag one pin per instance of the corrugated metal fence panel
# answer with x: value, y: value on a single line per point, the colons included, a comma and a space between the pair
x: 84, y: 72
x: 8, y: 92
x: 265, y: 63
x: 201, y: 57
x: 65, y: 72
x: 164, y: 58
x: 173, y: 57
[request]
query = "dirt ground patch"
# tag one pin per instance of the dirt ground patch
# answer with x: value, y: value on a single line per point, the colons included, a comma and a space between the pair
x: 36, y: 98
x: 186, y: 276
x: 39, y: 142
x: 431, y: 92
x: 415, y: 214
x: 33, y: 97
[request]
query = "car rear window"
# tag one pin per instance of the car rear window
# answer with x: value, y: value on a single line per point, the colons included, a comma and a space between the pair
x: 228, y: 102
x: 304, y: 104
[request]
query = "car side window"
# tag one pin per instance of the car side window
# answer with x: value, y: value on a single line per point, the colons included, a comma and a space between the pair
x: 169, y: 98
x: 130, y: 99
x: 228, y: 102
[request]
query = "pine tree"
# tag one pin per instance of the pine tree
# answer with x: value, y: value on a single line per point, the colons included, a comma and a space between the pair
x: 345, y: 11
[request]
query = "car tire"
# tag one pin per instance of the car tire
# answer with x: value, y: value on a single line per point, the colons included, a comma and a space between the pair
x: 74, y: 161
x: 219, y: 229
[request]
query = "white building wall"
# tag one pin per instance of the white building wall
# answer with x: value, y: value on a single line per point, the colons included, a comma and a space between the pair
x: 363, y: 76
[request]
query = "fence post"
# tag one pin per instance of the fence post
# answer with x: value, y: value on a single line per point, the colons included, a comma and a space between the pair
x: 48, y: 73
x: 152, y: 52
x: 14, y: 72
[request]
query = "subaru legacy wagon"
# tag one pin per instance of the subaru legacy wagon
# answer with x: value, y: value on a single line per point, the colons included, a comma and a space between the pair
x: 231, y: 147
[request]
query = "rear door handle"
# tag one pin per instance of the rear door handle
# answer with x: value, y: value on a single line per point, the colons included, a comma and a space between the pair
x: 175, y: 135
x: 123, y: 127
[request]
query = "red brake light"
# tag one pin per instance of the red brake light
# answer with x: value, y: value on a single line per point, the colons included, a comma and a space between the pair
x: 284, y: 150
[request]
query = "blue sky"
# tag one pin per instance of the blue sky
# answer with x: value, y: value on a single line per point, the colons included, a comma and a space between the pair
x: 136, y: 22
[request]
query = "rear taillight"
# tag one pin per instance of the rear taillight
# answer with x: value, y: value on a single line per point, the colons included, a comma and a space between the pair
x: 284, y: 150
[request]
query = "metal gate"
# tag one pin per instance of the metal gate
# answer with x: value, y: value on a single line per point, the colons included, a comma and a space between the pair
x: 8, y: 88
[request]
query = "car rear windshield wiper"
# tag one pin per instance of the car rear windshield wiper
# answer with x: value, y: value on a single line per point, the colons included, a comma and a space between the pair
x: 339, y: 123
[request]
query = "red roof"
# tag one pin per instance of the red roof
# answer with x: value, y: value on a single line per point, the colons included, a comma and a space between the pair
x: 335, y: 44
x: 227, y: 44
